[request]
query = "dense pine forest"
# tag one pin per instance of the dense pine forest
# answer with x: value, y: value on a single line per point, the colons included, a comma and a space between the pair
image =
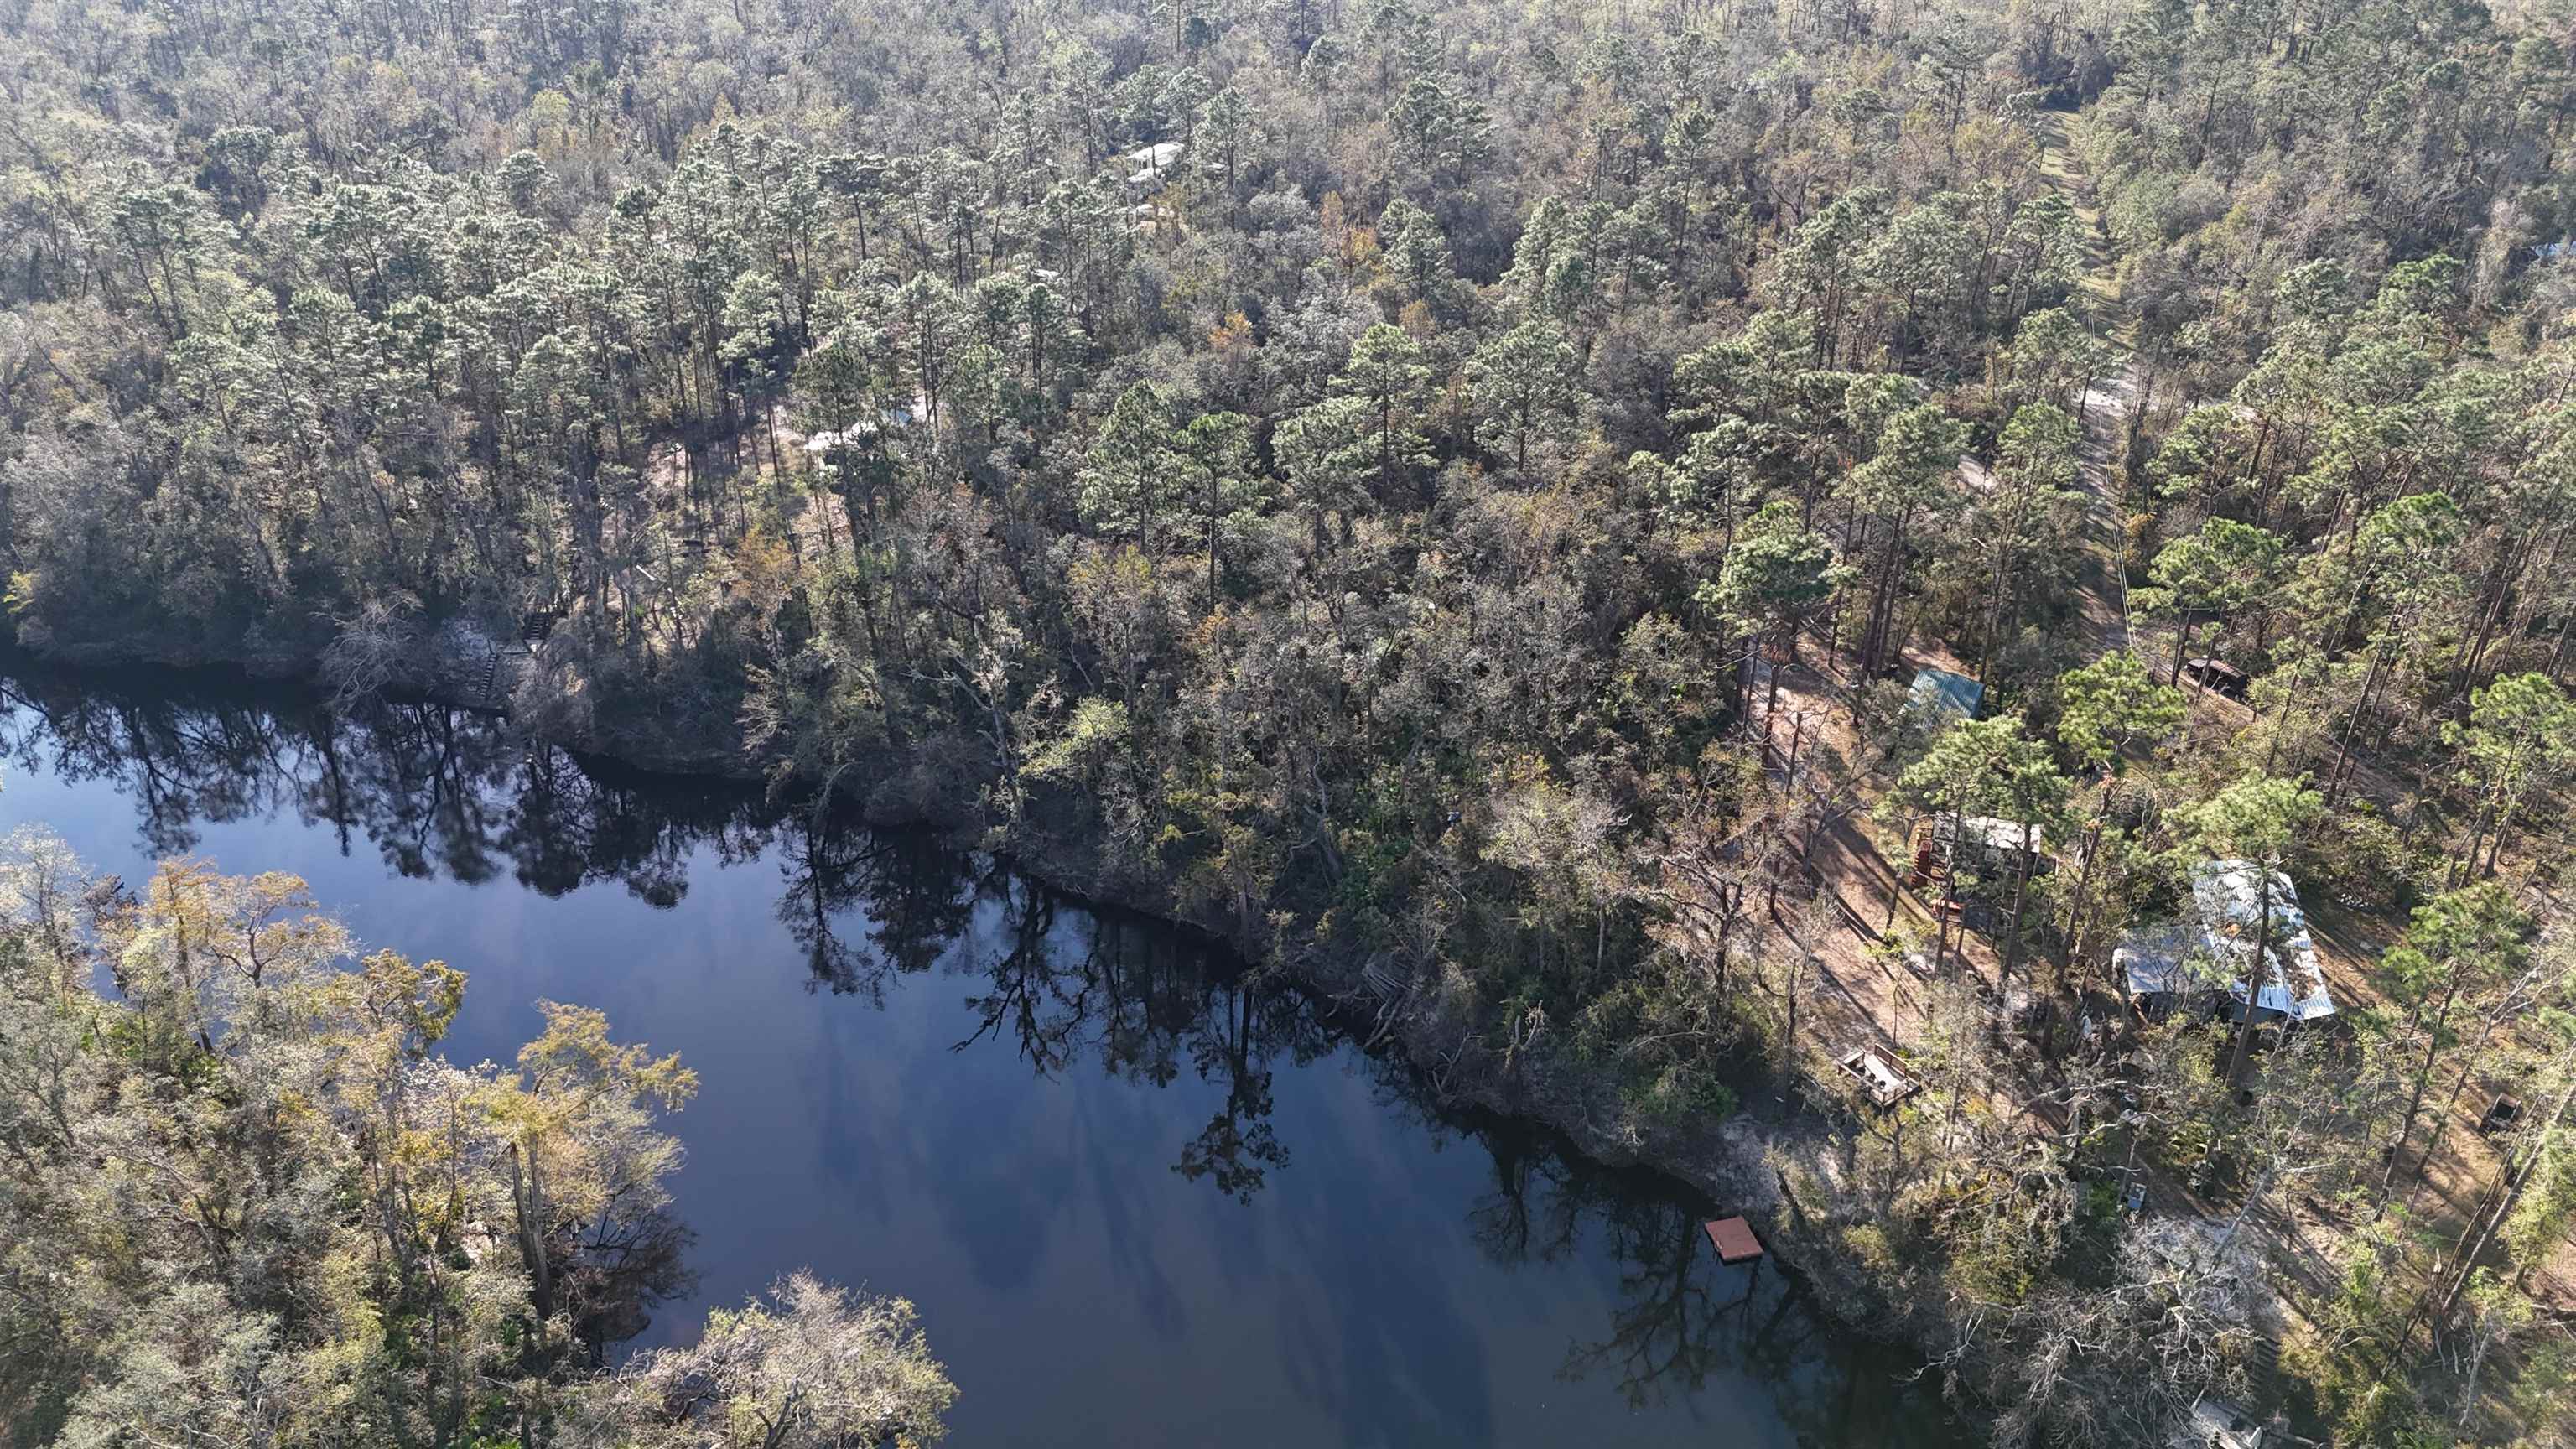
x: 1950, y: 619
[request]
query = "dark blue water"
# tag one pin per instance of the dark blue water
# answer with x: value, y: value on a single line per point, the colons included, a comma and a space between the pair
x: 1138, y: 1199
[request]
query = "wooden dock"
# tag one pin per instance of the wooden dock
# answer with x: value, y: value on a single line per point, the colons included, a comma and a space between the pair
x: 1733, y: 1239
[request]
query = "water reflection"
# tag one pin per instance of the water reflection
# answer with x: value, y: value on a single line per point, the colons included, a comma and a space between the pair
x: 1375, y: 1299
x: 436, y: 791
x: 444, y: 791
x: 1682, y: 1316
x: 914, y: 902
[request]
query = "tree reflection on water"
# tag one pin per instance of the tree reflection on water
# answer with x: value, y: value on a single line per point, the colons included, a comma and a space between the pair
x: 439, y: 791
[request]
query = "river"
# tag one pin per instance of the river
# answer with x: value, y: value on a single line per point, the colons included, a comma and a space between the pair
x: 1138, y: 1199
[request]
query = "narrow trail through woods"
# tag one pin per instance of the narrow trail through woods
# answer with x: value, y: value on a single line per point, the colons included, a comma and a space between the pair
x: 2102, y: 594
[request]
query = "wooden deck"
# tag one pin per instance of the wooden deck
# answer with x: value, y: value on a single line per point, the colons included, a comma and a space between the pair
x: 1734, y: 1240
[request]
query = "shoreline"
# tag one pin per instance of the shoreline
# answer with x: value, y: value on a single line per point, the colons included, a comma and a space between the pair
x: 1741, y: 1163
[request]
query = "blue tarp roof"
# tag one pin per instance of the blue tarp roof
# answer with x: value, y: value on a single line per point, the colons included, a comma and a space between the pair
x: 1941, y: 692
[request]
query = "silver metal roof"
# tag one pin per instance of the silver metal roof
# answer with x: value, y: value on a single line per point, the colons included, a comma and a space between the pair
x: 2212, y: 948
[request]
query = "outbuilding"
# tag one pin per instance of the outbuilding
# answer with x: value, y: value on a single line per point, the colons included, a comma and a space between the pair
x: 1988, y: 848
x: 1882, y: 1077
x: 2218, y: 675
x: 2216, y: 1423
x: 1943, y: 697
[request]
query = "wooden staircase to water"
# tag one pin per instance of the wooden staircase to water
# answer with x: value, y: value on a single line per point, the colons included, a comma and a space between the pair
x: 499, y: 684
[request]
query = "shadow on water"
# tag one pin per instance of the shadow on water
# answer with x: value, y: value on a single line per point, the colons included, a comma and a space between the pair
x: 1556, y: 1288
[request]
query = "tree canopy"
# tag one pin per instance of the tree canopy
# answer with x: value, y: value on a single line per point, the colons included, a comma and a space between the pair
x: 1450, y: 498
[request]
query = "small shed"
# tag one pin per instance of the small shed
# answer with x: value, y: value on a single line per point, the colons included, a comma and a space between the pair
x: 2217, y: 1424
x: 2505, y: 1111
x: 1943, y: 697
x: 896, y: 416
x: 1994, y: 840
x: 1993, y: 849
x: 2155, y: 963
x: 1986, y: 832
x: 2219, y: 675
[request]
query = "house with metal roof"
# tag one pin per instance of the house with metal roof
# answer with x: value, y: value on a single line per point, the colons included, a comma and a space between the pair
x: 2229, y: 898
x: 1152, y: 161
x: 2210, y: 952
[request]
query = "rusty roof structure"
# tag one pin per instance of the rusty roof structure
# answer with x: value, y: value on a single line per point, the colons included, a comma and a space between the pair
x: 1733, y: 1238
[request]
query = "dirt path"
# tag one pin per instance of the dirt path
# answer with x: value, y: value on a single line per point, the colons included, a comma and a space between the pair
x: 1869, y: 998
x: 2102, y: 591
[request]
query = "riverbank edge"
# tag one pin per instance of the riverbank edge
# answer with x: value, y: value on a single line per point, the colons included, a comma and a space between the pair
x: 1745, y: 1163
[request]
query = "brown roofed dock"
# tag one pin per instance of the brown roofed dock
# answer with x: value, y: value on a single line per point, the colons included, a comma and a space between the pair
x: 1734, y: 1240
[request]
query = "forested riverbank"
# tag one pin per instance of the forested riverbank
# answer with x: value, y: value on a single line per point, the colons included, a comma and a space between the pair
x: 1087, y: 1139
x: 1676, y: 557
x: 107, y: 716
